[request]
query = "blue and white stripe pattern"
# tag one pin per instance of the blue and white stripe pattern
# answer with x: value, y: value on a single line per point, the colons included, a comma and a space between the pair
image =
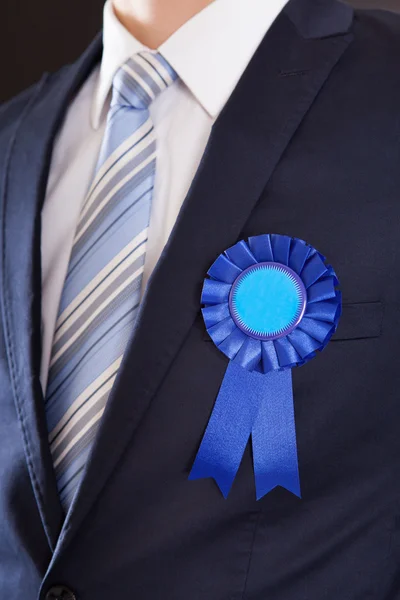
x: 102, y: 290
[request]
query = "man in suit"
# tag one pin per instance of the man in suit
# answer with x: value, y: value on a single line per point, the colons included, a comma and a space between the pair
x: 185, y: 128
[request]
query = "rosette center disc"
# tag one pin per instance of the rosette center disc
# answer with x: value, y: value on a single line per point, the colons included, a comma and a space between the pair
x: 268, y: 301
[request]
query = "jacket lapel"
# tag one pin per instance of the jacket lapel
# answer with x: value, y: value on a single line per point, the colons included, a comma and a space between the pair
x: 246, y: 144
x: 24, y: 185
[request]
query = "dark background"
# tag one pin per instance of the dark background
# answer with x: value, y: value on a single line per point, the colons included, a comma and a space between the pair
x: 43, y: 35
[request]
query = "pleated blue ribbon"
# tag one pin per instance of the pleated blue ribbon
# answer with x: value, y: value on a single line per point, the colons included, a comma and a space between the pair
x: 270, y: 304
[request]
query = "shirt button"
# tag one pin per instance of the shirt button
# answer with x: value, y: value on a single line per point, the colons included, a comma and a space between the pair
x: 60, y: 592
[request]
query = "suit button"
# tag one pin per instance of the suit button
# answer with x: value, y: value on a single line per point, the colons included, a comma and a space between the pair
x: 60, y: 592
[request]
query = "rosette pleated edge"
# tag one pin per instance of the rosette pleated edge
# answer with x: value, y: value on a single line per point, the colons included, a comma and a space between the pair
x: 311, y: 335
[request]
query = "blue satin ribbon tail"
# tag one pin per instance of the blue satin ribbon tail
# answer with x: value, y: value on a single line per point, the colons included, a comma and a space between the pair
x: 274, y: 437
x: 250, y: 403
x: 229, y: 428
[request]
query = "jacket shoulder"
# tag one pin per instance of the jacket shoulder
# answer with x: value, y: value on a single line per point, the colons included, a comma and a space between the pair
x: 371, y: 64
x: 13, y: 111
x: 380, y: 28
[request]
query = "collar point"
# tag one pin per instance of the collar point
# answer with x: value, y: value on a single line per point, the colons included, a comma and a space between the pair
x: 95, y: 118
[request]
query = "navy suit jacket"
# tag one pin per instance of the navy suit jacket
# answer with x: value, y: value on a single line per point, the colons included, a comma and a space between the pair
x: 307, y: 146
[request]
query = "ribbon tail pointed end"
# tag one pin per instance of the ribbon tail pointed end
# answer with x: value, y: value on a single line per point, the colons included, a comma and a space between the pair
x: 223, y: 482
x: 264, y: 487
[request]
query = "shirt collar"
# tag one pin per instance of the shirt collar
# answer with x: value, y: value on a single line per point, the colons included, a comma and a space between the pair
x: 210, y: 52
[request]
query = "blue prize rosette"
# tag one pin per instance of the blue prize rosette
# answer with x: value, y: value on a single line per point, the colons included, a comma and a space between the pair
x: 269, y: 305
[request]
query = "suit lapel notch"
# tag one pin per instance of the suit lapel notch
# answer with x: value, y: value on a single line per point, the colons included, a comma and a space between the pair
x: 320, y: 18
x: 246, y: 144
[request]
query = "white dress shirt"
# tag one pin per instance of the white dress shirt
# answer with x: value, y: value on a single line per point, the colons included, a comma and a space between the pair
x: 210, y: 53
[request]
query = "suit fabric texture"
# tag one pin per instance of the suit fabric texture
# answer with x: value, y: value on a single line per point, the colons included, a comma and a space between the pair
x: 307, y: 146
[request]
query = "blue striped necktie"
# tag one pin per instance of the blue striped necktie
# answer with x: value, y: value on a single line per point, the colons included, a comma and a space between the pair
x: 101, y: 294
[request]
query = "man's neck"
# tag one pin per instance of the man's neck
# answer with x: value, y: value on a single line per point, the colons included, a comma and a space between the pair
x: 154, y: 21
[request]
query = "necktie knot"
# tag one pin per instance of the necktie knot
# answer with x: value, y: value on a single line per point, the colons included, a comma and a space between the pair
x: 141, y: 79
